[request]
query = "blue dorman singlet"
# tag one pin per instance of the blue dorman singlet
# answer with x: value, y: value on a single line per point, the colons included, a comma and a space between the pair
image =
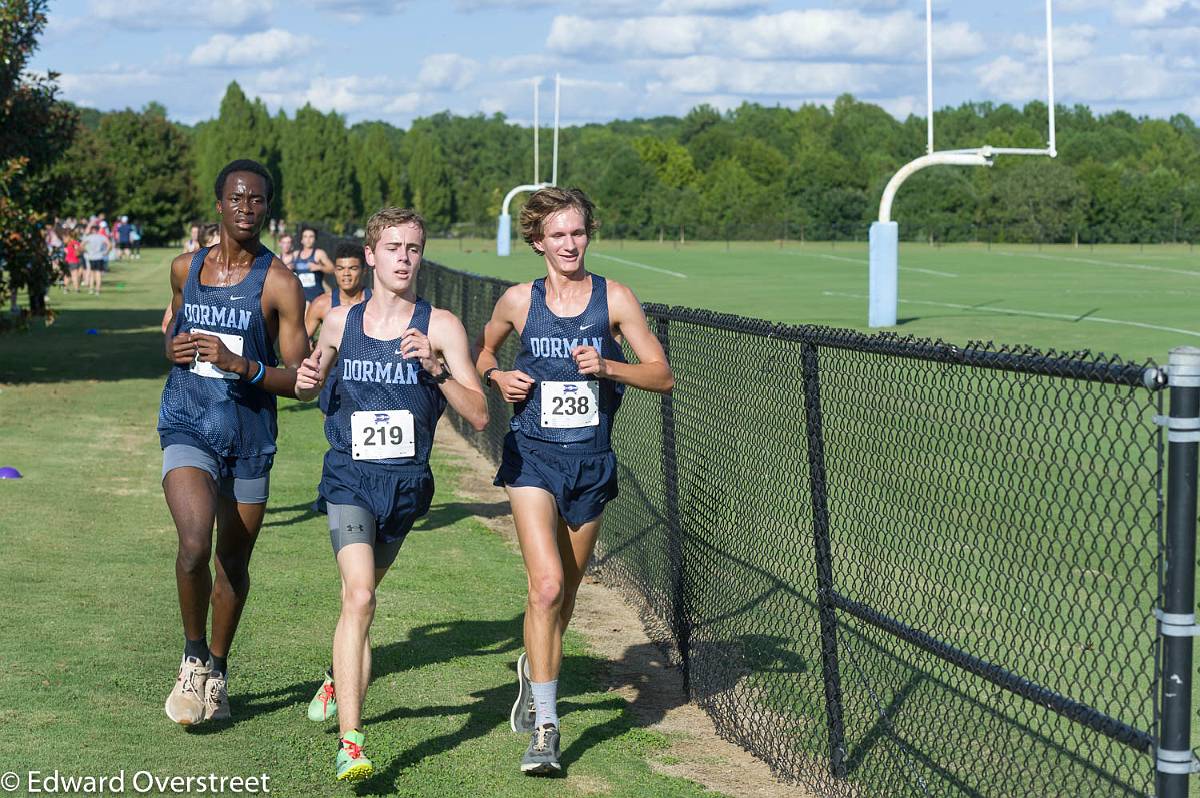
x: 305, y: 273
x: 546, y: 344
x: 231, y: 416
x: 372, y: 376
x: 335, y: 300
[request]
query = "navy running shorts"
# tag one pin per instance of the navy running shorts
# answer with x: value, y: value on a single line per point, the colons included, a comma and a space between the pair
x: 396, y: 495
x: 580, y: 482
x: 245, y: 480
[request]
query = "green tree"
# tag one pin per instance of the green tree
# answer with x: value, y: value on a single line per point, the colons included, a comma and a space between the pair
x: 429, y: 180
x: 1036, y: 200
x: 35, y: 130
x: 89, y: 176
x: 242, y: 129
x: 318, y: 170
x: 153, y: 178
x: 376, y: 151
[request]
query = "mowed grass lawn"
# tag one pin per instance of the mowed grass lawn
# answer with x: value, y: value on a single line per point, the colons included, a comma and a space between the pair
x: 1137, y: 302
x: 91, y: 636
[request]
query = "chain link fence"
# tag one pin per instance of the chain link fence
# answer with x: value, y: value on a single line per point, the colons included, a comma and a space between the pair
x: 888, y: 566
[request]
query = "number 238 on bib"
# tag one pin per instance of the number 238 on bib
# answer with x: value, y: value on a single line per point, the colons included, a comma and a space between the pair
x: 567, y: 405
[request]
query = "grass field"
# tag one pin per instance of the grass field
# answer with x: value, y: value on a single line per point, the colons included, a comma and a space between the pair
x: 1127, y: 300
x: 91, y: 634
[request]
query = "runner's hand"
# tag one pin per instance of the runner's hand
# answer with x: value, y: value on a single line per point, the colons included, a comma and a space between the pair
x: 180, y: 349
x: 211, y: 349
x: 514, y: 385
x: 588, y: 361
x: 308, y: 376
x: 415, y: 344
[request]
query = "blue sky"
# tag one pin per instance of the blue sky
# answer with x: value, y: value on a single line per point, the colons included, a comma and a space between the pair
x: 400, y: 59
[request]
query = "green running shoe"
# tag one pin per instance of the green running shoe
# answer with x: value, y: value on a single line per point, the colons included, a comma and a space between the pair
x: 324, y: 704
x: 352, y: 763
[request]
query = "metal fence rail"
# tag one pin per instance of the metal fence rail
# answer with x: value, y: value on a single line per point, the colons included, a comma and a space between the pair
x: 898, y: 567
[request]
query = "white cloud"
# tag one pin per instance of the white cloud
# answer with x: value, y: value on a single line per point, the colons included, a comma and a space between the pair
x: 1155, y: 12
x: 715, y: 75
x: 161, y: 14
x: 447, y: 72
x: 60, y: 27
x: 647, y: 36
x: 94, y: 88
x: 1121, y: 78
x: 359, y: 7
x: 485, y: 5
x: 352, y: 95
x: 817, y: 35
x: 1162, y: 40
x: 1071, y: 43
x: 709, y: 6
x: 267, y: 48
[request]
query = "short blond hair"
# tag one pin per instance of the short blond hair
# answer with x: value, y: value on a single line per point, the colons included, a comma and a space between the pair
x: 392, y: 217
x: 547, y: 201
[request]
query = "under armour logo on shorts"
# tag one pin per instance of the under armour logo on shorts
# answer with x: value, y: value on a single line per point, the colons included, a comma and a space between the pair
x: 350, y: 527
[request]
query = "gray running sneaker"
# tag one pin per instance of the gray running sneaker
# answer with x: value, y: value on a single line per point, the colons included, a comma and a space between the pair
x: 522, y: 716
x: 541, y: 757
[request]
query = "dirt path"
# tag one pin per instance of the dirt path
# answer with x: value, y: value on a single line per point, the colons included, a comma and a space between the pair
x: 636, y: 666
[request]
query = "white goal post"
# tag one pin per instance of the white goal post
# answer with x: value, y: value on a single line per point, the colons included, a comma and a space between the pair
x: 885, y: 233
x: 504, y: 223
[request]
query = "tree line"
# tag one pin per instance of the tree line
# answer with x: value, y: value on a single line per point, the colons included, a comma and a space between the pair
x: 754, y: 172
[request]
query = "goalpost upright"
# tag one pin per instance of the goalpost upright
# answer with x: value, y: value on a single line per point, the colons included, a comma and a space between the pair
x: 885, y: 233
x: 504, y: 225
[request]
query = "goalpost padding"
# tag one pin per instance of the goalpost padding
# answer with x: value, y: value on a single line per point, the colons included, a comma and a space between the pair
x: 504, y: 236
x: 885, y: 262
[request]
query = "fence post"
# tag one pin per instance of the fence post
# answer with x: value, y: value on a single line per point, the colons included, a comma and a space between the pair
x: 824, y: 561
x: 1177, y: 619
x: 681, y: 624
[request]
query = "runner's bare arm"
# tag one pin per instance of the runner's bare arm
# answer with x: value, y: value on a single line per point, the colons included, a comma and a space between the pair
x: 311, y: 376
x: 510, y: 310
x: 179, y: 349
x: 651, y: 372
x: 316, y: 311
x: 283, y: 295
x: 463, y: 391
x: 321, y: 262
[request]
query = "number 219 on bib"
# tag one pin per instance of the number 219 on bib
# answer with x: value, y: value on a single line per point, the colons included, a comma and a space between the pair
x: 382, y: 434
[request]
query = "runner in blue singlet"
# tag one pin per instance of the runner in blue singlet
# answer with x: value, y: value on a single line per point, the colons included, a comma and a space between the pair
x: 558, y: 468
x: 350, y: 276
x: 311, y: 264
x: 398, y: 361
x: 231, y: 305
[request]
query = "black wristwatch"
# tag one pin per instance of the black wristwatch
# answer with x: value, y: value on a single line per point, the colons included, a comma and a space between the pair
x: 487, y: 376
x: 441, y: 378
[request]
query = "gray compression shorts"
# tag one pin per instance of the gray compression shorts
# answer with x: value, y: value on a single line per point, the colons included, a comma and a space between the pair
x: 241, y: 489
x: 349, y: 523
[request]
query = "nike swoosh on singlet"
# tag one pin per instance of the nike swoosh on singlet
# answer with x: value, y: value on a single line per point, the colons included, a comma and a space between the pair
x: 585, y: 326
x: 235, y: 298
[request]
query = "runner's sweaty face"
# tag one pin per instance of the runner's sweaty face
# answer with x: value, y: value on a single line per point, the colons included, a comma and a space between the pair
x: 243, y: 206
